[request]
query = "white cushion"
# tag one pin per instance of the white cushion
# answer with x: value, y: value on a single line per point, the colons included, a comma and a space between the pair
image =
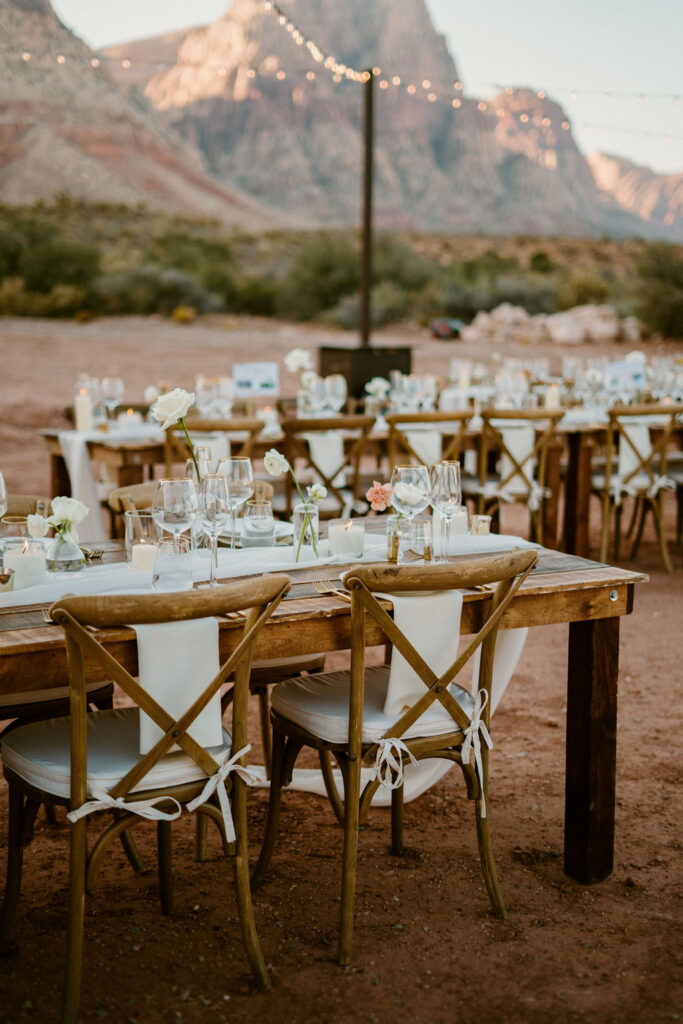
x: 320, y: 704
x: 37, y: 696
x: 40, y: 753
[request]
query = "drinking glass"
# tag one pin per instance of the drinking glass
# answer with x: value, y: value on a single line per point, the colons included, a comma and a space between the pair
x: 336, y: 391
x: 415, y: 542
x: 445, y: 498
x: 318, y: 396
x: 173, y: 565
x: 3, y: 497
x: 14, y: 526
x: 411, y: 489
x: 174, y: 506
x: 214, y: 509
x: 259, y: 525
x: 111, y: 390
x: 239, y: 477
x: 141, y: 534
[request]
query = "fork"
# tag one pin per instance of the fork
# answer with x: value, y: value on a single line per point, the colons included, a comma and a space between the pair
x: 328, y: 587
x: 92, y: 554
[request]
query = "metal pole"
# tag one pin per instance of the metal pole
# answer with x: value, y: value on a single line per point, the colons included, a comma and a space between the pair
x: 366, y: 255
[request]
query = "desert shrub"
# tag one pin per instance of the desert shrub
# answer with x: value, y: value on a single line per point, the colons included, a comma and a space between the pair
x: 540, y: 262
x: 488, y: 265
x: 580, y: 287
x: 61, y: 300
x: 151, y: 289
x: 534, y: 292
x: 258, y: 296
x: 394, y: 261
x: 660, y: 289
x: 323, y: 270
x: 47, y: 264
x: 11, y: 245
x: 388, y: 304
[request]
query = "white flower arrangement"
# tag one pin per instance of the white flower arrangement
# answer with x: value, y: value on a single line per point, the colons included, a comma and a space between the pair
x: 67, y: 513
x: 309, y: 378
x: 297, y: 360
x: 170, y: 410
x: 408, y: 494
x: 378, y: 387
x: 276, y: 464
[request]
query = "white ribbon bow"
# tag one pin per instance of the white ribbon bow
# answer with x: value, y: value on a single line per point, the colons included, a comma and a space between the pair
x: 658, y: 483
x: 104, y: 802
x: 216, y: 782
x: 536, y: 495
x: 473, y: 742
x: 389, y: 760
x: 618, y: 489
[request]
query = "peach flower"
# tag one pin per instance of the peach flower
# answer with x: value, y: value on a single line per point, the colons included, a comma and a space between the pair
x: 380, y: 496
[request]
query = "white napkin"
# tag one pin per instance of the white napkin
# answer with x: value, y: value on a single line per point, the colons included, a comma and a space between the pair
x: 83, y: 483
x: 509, y: 646
x: 519, y: 440
x: 427, y: 445
x: 431, y: 622
x: 327, y: 451
x: 177, y: 661
x: 453, y: 398
x: 639, y: 435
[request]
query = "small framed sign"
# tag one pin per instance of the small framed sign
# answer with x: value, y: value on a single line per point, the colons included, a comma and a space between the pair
x: 253, y: 380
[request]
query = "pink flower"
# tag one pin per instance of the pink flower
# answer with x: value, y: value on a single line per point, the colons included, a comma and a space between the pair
x: 379, y: 496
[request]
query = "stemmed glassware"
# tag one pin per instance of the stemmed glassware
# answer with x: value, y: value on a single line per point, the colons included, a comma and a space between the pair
x: 3, y: 497
x: 446, y: 498
x: 174, y: 506
x: 111, y: 390
x: 214, y: 510
x: 411, y: 489
x: 336, y: 391
x: 239, y: 476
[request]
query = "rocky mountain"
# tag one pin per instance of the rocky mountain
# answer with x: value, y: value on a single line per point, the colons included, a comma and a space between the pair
x: 65, y: 126
x: 656, y: 198
x: 270, y: 120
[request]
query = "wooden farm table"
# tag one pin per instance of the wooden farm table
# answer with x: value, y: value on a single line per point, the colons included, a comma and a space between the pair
x: 563, y: 588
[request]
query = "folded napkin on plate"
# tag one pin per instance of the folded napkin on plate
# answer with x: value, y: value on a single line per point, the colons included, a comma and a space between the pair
x: 427, y: 445
x: 327, y: 452
x: 83, y: 484
x: 177, y: 661
x: 431, y: 622
x: 467, y: 544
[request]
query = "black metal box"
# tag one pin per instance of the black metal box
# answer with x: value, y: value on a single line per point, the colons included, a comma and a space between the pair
x: 359, y: 365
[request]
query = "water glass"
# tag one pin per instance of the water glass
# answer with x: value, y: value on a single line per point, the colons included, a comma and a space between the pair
x: 411, y: 489
x: 172, y: 565
x: 416, y: 543
x: 14, y: 526
x: 258, y: 525
x: 174, y: 505
x: 142, y: 534
x: 239, y: 476
x: 214, y: 509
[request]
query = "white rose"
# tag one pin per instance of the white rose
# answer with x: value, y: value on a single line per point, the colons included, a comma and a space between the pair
x: 151, y: 393
x: 37, y: 526
x: 309, y: 379
x: 174, y: 406
x: 67, y: 510
x: 408, y: 494
x: 378, y: 387
x: 316, y: 492
x: 275, y: 463
x: 297, y: 360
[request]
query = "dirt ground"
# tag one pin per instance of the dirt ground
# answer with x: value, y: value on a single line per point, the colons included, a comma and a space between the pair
x: 426, y: 946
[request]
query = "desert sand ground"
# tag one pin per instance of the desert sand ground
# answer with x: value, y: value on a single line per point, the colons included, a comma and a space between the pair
x: 426, y: 947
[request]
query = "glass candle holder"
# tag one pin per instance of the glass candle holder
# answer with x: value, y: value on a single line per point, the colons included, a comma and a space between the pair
x: 415, y: 544
x: 27, y: 559
x: 14, y: 526
x: 346, y: 537
x: 480, y: 525
x: 172, y: 570
x: 142, y: 534
x: 397, y: 526
x: 258, y: 525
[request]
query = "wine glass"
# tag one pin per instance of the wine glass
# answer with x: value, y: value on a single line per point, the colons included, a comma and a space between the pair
x: 3, y: 497
x: 446, y: 498
x: 111, y: 391
x: 239, y: 477
x: 174, y: 506
x: 411, y: 489
x: 336, y: 391
x: 214, y: 510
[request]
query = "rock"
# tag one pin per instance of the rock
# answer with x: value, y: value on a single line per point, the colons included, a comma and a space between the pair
x: 565, y: 329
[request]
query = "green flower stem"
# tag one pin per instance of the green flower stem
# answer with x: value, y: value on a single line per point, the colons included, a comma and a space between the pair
x: 307, y: 519
x: 181, y: 421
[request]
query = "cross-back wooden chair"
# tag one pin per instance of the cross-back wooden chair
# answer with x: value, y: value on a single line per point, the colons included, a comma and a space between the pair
x: 638, y: 440
x: 28, y: 505
x: 522, y: 476
x: 176, y: 449
x: 340, y: 714
x: 92, y: 762
x: 356, y: 430
x: 403, y: 435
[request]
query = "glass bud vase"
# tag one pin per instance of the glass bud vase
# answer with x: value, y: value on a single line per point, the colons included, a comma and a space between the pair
x: 305, y: 522
x: 64, y: 554
x: 397, y: 527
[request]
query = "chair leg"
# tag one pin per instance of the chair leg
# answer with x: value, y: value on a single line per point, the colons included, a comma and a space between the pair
x: 164, y: 850
x: 349, y: 858
x: 131, y: 851
x: 397, y: 848
x: 604, y: 533
x: 642, y: 506
x: 264, y: 719
x: 74, y: 947
x: 15, y: 863
x: 488, y: 865
x: 617, y: 532
x: 330, y: 785
x: 244, y: 903
x: 274, y: 804
x: 659, y: 527
x: 201, y: 827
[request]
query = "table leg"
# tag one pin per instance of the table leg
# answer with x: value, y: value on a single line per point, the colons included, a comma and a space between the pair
x: 60, y: 482
x: 591, y: 749
x: 551, y: 503
x: 577, y: 495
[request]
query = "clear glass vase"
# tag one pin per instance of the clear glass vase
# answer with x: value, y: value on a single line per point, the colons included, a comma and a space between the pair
x: 398, y: 527
x: 64, y: 554
x: 305, y: 522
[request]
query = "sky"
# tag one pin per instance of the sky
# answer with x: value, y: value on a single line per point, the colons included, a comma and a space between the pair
x: 599, y: 49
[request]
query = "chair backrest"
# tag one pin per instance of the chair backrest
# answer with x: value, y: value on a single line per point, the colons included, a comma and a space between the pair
x: 27, y: 505
x: 353, y: 430
x: 405, y: 430
x: 638, y: 437
x: 508, y: 570
x: 522, y: 436
x: 263, y: 490
x: 78, y: 615
x: 235, y: 429
x: 132, y: 497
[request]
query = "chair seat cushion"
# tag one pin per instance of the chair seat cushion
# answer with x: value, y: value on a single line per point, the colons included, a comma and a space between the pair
x: 320, y: 704
x: 40, y: 754
x: 30, y: 697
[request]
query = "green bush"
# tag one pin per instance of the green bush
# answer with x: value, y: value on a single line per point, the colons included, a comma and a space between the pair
x: 258, y: 296
x: 151, y: 289
x: 388, y: 304
x: 660, y: 290
x: 323, y: 270
x: 50, y: 263
x: 579, y: 288
x: 11, y: 245
x: 61, y: 300
x: 540, y: 263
